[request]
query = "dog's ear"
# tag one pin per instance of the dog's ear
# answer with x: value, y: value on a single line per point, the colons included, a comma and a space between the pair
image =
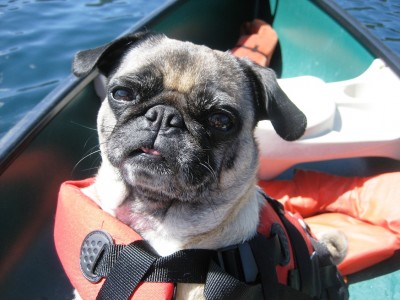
x: 107, y: 56
x: 272, y: 102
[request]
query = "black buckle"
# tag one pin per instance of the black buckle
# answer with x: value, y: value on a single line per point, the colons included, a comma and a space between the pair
x: 284, y: 253
x: 93, y: 247
x: 239, y: 261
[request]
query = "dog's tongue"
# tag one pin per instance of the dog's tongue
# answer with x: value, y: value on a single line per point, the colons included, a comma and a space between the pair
x: 151, y: 151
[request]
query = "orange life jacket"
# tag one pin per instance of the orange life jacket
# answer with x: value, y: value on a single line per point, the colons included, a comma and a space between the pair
x: 77, y: 216
x: 365, y: 208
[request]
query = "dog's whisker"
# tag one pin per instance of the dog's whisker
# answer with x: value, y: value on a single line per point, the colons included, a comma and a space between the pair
x: 90, y: 169
x: 83, y: 158
x: 83, y: 126
x: 210, y: 169
x: 92, y: 148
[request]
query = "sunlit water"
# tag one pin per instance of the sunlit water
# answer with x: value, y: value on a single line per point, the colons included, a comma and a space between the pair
x: 38, y: 39
x: 381, y: 17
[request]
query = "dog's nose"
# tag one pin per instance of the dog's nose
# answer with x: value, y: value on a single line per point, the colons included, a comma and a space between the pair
x: 164, y: 117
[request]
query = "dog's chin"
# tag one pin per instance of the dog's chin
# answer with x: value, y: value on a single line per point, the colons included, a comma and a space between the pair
x: 139, y: 164
x: 154, y: 179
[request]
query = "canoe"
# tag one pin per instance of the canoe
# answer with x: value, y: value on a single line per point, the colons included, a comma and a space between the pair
x: 56, y: 141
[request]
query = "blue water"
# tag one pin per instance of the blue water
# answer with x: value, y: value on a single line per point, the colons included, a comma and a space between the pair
x: 38, y: 39
x: 381, y: 17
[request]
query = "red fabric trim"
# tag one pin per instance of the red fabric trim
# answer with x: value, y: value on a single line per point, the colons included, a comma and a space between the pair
x: 77, y: 216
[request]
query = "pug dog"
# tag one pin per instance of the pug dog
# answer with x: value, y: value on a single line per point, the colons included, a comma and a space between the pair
x: 176, y: 133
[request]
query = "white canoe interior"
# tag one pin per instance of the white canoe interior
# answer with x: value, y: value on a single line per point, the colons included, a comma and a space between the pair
x: 353, y: 118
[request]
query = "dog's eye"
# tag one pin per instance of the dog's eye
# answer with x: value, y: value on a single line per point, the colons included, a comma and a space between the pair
x: 220, y: 121
x: 124, y: 94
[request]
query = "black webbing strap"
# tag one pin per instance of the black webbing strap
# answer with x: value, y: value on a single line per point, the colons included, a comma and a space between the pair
x: 189, y: 266
x: 133, y: 263
x: 126, y: 266
x: 220, y: 283
x: 288, y: 293
x: 222, y: 286
x: 108, y: 259
x: 267, y: 252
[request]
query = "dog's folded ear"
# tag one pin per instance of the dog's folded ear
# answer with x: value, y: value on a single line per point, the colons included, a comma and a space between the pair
x: 107, y: 56
x: 272, y: 102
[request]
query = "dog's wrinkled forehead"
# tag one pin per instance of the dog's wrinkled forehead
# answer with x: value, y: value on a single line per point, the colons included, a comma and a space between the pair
x: 182, y: 65
x: 153, y: 60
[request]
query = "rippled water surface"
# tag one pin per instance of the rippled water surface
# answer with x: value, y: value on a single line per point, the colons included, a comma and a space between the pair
x: 39, y: 37
x: 381, y: 17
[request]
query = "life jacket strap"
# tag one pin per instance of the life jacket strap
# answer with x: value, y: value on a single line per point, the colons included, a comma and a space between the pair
x: 221, y: 285
x: 226, y: 273
x: 125, y: 266
x: 126, y: 274
x: 231, y: 271
x: 187, y: 266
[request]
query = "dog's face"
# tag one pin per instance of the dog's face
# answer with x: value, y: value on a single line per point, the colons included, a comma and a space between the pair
x: 178, y: 120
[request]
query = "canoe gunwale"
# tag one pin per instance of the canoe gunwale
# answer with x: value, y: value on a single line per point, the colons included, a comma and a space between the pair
x: 21, y: 134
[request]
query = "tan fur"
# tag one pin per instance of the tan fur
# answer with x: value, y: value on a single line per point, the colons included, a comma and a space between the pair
x: 181, y: 82
x: 337, y: 244
x: 190, y: 291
